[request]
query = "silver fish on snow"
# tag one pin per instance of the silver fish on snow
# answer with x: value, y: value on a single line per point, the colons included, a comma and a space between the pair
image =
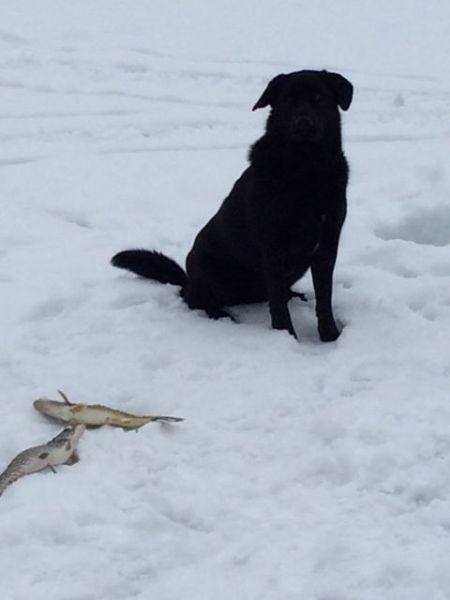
x: 62, y: 449
x: 95, y: 415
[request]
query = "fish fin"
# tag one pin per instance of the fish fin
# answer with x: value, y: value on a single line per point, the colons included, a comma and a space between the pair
x: 65, y: 398
x: 73, y: 458
x: 52, y: 468
x: 168, y: 419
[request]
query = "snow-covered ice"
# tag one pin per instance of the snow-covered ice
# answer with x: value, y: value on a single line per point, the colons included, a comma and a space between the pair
x: 303, y: 470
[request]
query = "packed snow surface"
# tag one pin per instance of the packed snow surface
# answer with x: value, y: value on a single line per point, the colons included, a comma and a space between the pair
x: 303, y: 471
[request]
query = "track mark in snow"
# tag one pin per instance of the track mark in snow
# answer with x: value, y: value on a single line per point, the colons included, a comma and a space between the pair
x: 423, y: 309
x: 267, y: 62
x: 426, y: 78
x: 128, y: 300
x: 7, y: 162
x: 72, y: 218
x: 54, y: 307
x: 430, y: 226
x: 167, y: 99
x: 388, y: 259
x: 18, y: 85
x: 132, y: 67
x: 180, y: 148
x: 62, y: 115
x: 12, y: 38
x: 389, y: 138
x: 149, y: 52
x: 47, y: 309
x: 77, y: 220
x: 11, y: 84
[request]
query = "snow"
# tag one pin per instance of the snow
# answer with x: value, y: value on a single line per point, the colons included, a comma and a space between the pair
x: 302, y: 470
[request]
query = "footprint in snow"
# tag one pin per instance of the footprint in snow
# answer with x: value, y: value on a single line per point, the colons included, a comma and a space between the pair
x: 428, y: 226
x: 72, y: 218
x: 53, y: 307
x: 423, y: 309
x: 129, y: 300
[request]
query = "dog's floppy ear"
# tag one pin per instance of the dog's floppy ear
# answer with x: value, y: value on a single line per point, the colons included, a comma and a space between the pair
x: 342, y: 88
x: 270, y: 93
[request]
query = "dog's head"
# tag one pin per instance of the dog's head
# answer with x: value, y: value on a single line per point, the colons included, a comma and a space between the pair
x: 305, y: 104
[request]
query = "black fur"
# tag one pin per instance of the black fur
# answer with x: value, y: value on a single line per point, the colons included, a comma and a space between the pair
x: 283, y: 215
x: 152, y: 265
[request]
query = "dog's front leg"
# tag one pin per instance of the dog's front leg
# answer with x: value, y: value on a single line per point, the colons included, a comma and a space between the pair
x: 322, y: 273
x: 277, y: 291
x: 322, y: 268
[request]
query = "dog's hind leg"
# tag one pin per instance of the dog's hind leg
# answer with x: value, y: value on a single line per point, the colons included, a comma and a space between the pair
x: 197, y: 301
x: 204, y: 293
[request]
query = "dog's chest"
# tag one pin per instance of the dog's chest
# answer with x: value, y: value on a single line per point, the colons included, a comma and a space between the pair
x: 301, y: 242
x: 311, y: 185
x: 307, y: 205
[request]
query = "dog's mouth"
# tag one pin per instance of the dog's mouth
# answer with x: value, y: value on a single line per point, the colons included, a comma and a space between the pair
x: 305, y: 129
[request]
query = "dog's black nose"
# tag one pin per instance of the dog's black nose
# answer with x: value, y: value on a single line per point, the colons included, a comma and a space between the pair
x: 303, y: 124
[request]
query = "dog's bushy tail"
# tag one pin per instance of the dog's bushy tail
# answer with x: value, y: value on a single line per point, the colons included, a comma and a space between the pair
x: 151, y: 265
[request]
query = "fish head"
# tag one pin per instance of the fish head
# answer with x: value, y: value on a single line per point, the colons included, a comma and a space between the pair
x: 45, y: 405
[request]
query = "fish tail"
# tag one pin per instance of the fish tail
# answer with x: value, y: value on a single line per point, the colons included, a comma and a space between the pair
x: 7, y: 478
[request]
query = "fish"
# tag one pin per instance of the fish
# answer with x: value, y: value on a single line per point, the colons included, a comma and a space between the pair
x: 60, y: 450
x: 95, y: 415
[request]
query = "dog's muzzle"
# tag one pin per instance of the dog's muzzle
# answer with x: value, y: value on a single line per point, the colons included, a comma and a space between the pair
x: 304, y: 127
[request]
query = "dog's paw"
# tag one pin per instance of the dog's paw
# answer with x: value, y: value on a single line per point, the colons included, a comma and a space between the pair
x: 282, y: 326
x: 329, y: 333
x: 299, y: 295
x: 218, y: 313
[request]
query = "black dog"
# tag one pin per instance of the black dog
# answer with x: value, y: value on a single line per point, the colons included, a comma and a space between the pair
x: 283, y: 215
